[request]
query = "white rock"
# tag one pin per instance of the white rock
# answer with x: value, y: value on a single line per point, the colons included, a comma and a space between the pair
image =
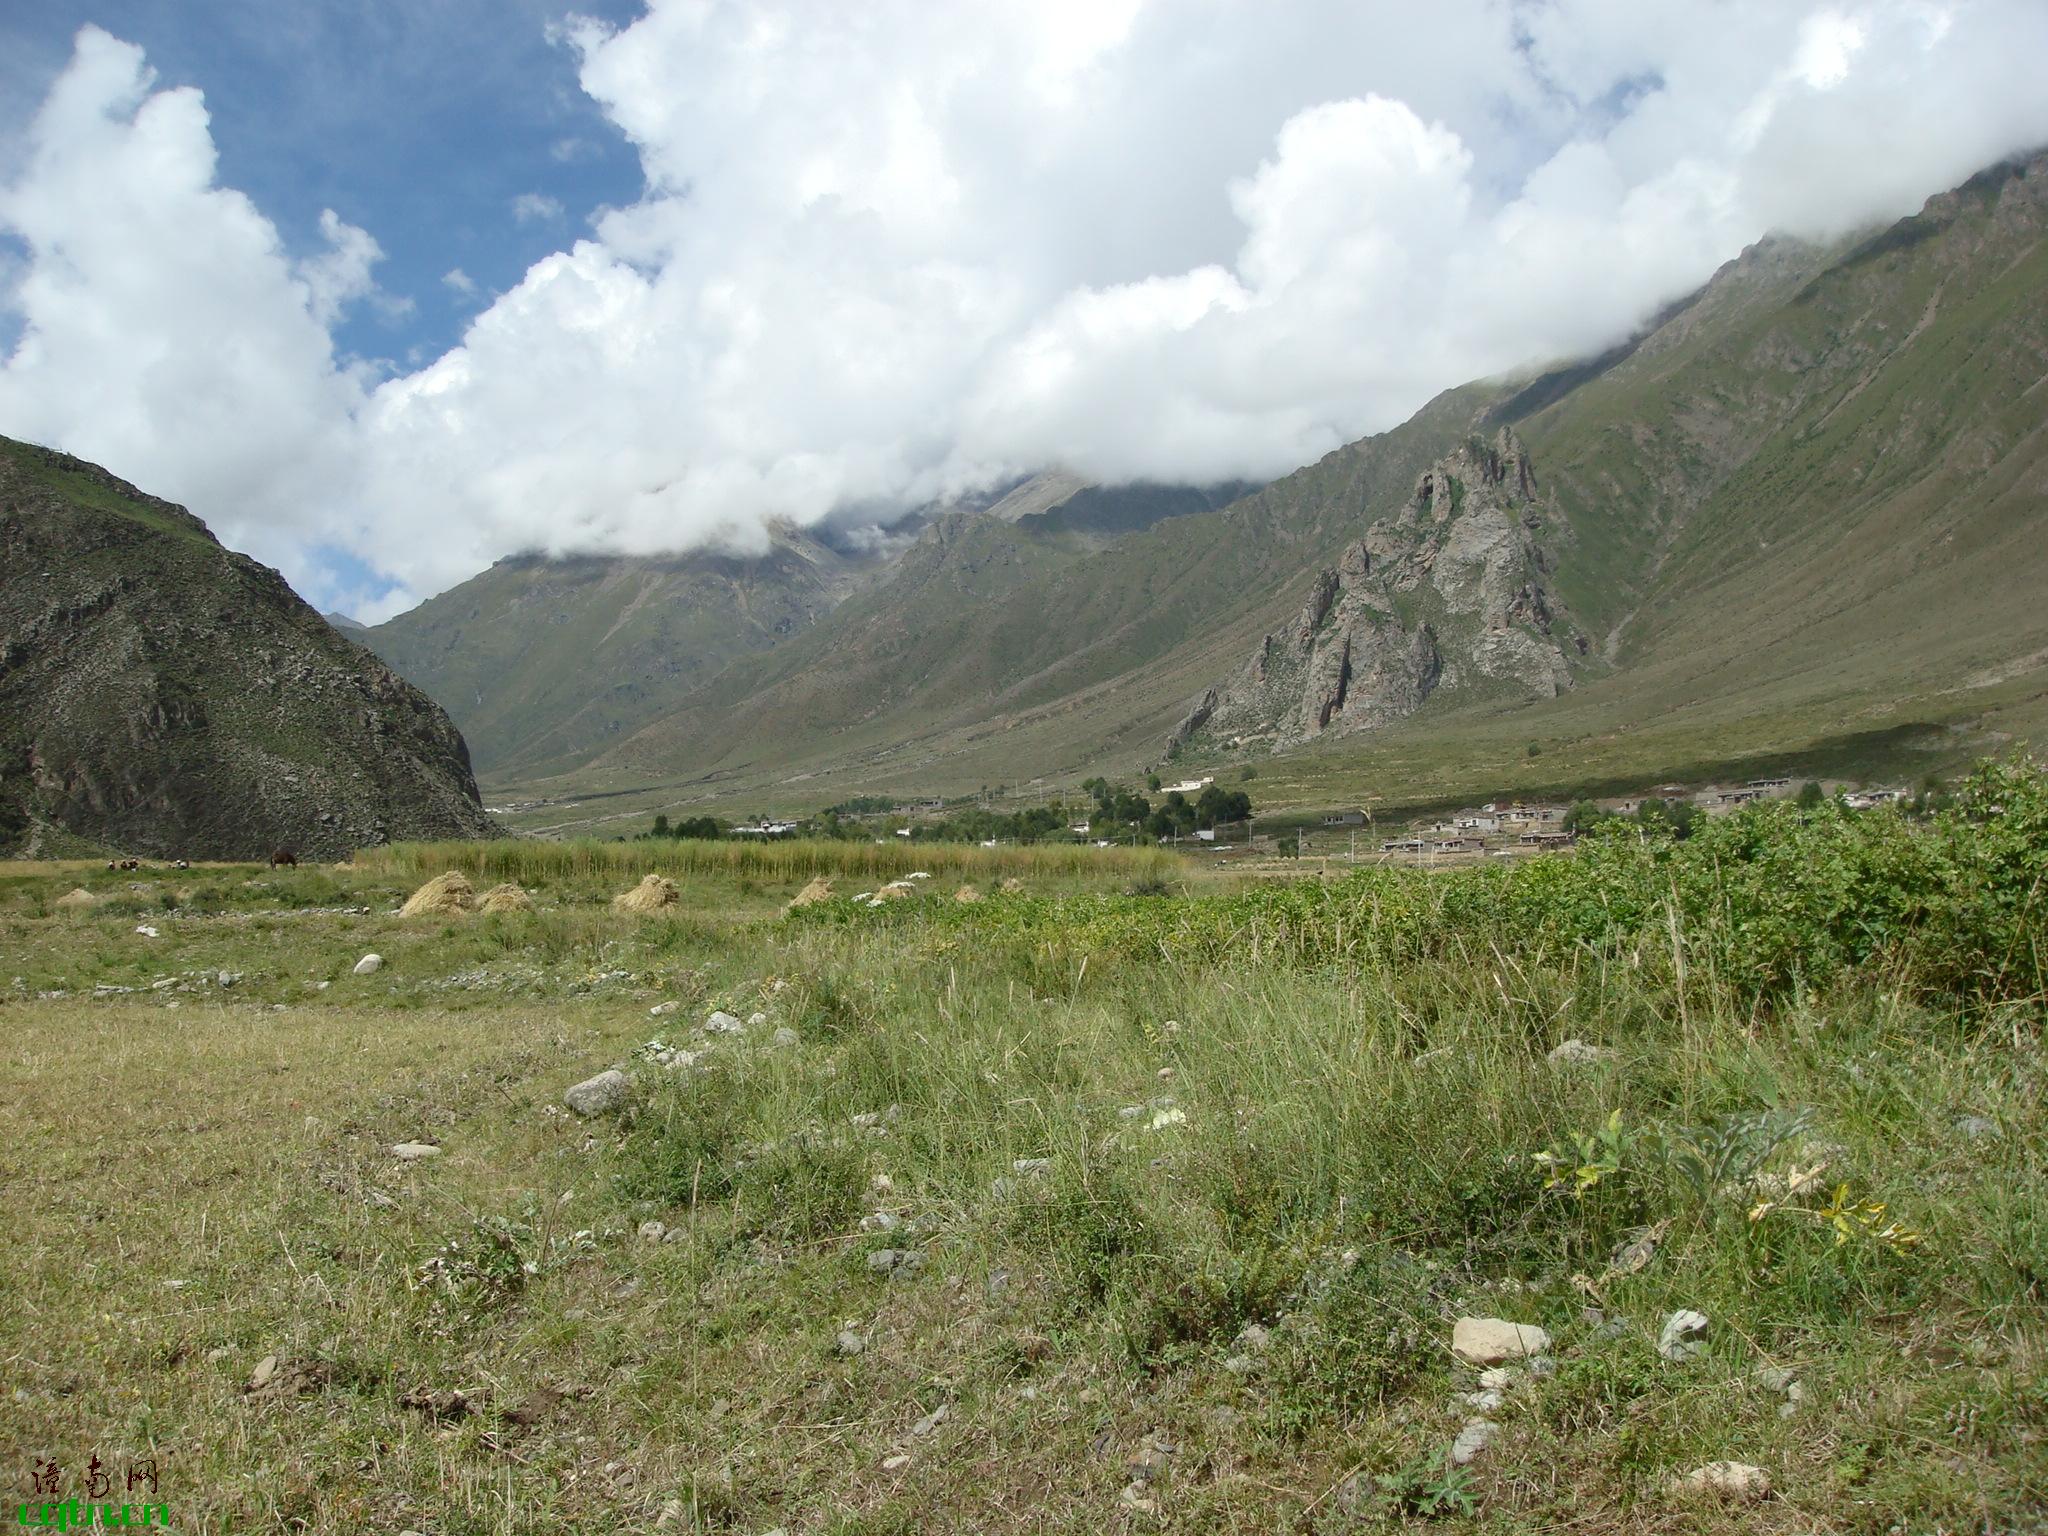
x: 895, y: 1463
x: 1475, y: 1437
x: 663, y: 1010
x: 653, y: 1231
x: 756, y: 1020
x: 1576, y: 1053
x: 931, y: 1421
x: 146, y: 931
x: 785, y: 1037
x: 1681, y: 1338
x: 1491, y: 1340
x: 849, y: 1343
x: 723, y: 1023
x: 369, y: 965
x: 1735, y: 1481
x: 413, y: 1151
x: 599, y: 1094
x: 1498, y: 1379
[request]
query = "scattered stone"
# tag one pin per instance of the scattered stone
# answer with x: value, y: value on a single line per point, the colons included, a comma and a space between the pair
x: 1256, y: 1339
x: 1735, y: 1481
x: 598, y: 1095
x: 1486, y: 1400
x: 413, y: 1151
x: 653, y: 1231
x: 1492, y: 1341
x: 146, y: 931
x: 369, y: 965
x: 260, y: 1377
x: 723, y: 1023
x: 1430, y: 1058
x: 1976, y: 1127
x: 1576, y: 1053
x: 1032, y: 1164
x: 652, y: 894
x: 849, y: 1343
x: 883, y: 1260
x: 785, y: 1037
x: 1776, y: 1378
x: 895, y: 1463
x: 1240, y: 1365
x: 78, y: 899
x: 663, y: 1010
x: 756, y: 1020
x: 1681, y: 1338
x: 1475, y: 1437
x: 1794, y: 1396
x: 1498, y: 1379
x: 931, y: 1421
x: 443, y: 896
x: 1133, y: 1497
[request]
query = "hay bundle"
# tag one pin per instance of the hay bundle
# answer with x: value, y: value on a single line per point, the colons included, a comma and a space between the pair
x: 1013, y: 885
x: 79, y: 899
x: 505, y: 898
x: 441, y: 896
x: 652, y: 894
x: 895, y: 890
x: 967, y: 893
x: 820, y: 889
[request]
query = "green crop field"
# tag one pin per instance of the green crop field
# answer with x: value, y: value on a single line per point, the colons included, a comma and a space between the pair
x: 1122, y: 1199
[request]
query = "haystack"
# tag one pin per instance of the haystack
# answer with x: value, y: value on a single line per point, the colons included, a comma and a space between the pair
x: 895, y: 890
x: 820, y: 889
x: 967, y: 893
x: 505, y: 898
x: 650, y: 895
x: 442, y: 896
x: 79, y: 899
x: 1013, y: 885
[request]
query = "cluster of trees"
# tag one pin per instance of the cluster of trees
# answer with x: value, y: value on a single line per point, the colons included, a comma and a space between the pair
x: 1112, y: 812
x: 1654, y: 815
x: 1120, y: 813
x: 691, y: 826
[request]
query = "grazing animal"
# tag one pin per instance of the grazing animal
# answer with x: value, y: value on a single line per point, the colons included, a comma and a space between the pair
x: 181, y: 864
x: 283, y: 856
x: 131, y: 863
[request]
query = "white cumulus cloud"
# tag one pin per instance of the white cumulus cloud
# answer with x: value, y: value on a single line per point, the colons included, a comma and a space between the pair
x: 894, y: 250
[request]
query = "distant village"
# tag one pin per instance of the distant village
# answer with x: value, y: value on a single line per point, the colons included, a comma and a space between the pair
x: 1201, y: 815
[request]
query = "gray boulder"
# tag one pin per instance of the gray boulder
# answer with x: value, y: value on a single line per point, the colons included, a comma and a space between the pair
x: 598, y: 1095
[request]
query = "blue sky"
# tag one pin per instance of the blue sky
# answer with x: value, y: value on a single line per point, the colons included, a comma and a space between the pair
x: 422, y: 121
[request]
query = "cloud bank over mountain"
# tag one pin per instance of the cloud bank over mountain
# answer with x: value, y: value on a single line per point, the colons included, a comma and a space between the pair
x: 889, y: 252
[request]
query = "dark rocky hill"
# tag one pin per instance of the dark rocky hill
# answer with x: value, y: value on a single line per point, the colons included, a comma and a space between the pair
x: 161, y: 695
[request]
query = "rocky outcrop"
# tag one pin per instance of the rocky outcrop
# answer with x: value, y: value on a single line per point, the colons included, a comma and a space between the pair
x: 1452, y: 591
x: 165, y: 696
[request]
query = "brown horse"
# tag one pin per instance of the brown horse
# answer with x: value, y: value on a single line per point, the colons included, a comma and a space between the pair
x: 283, y: 857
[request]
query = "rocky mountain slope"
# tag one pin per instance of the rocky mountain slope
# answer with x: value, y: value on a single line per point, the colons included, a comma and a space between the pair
x: 1450, y: 592
x: 162, y: 695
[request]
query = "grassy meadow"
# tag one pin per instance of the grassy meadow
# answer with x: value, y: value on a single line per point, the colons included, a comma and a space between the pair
x: 1119, y: 1200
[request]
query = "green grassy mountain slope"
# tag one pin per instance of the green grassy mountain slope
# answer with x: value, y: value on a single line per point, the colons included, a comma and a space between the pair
x: 160, y: 694
x: 547, y: 662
